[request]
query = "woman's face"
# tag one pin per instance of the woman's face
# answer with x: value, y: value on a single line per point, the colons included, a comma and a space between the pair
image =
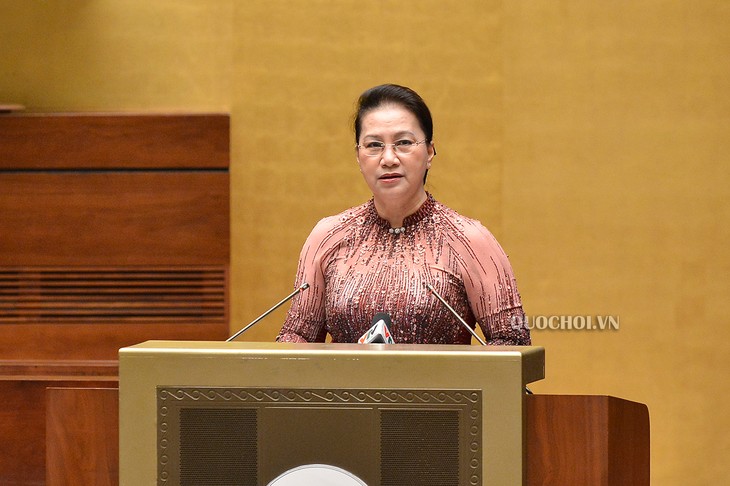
x: 390, y: 175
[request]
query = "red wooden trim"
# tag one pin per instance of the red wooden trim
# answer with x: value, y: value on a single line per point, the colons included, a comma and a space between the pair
x: 59, y: 370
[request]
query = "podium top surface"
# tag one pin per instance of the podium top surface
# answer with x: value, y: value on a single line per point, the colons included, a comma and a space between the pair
x: 532, y: 358
x: 237, y: 347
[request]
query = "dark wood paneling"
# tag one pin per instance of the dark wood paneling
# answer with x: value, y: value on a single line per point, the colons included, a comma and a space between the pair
x: 114, y: 218
x: 101, y: 141
x: 122, y: 294
x: 59, y: 370
x: 95, y: 341
x: 591, y: 440
x: 114, y: 229
x: 628, y: 442
x: 23, y: 425
x: 82, y: 439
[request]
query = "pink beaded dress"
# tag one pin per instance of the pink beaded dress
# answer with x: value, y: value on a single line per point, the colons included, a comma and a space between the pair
x: 356, y: 267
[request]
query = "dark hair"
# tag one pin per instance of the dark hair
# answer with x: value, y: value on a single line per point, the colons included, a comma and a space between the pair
x: 396, y: 95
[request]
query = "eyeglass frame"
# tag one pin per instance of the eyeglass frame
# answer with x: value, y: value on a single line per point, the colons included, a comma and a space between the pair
x: 394, y: 145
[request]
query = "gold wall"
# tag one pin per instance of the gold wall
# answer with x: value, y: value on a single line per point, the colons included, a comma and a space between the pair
x: 590, y: 137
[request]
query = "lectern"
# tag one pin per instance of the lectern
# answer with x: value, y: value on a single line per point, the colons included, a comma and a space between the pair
x: 245, y: 413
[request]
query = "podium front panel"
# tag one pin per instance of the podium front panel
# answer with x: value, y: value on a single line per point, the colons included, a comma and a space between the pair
x: 245, y: 413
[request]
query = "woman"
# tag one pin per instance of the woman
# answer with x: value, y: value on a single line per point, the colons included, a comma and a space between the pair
x: 382, y: 255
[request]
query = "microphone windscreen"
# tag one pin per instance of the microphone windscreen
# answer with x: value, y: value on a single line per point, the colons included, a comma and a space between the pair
x: 382, y: 316
x: 378, y: 332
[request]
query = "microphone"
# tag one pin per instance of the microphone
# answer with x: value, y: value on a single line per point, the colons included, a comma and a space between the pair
x: 379, y: 332
x: 458, y: 317
x: 463, y: 322
x: 304, y: 286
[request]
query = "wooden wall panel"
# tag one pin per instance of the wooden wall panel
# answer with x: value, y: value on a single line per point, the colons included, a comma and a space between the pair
x: 23, y: 425
x: 114, y: 229
x: 112, y: 141
x: 82, y: 439
x: 58, y: 341
x: 114, y: 218
x: 117, y: 294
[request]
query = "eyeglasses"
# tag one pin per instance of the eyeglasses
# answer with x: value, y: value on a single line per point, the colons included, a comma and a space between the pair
x: 401, y: 147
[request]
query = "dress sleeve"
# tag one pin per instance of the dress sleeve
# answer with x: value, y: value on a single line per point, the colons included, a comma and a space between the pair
x: 305, y: 321
x: 492, y: 289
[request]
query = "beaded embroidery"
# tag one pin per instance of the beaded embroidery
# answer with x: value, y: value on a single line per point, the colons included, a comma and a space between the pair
x: 357, y: 268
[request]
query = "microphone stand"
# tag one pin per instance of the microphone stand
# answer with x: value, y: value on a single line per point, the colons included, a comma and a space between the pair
x: 304, y: 286
x: 463, y: 322
x: 430, y: 287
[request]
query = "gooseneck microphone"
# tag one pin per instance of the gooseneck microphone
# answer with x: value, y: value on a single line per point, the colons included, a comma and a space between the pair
x: 304, y: 286
x: 430, y: 287
x: 458, y: 317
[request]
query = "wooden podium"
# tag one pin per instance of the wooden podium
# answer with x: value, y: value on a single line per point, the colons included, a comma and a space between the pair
x: 568, y: 439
